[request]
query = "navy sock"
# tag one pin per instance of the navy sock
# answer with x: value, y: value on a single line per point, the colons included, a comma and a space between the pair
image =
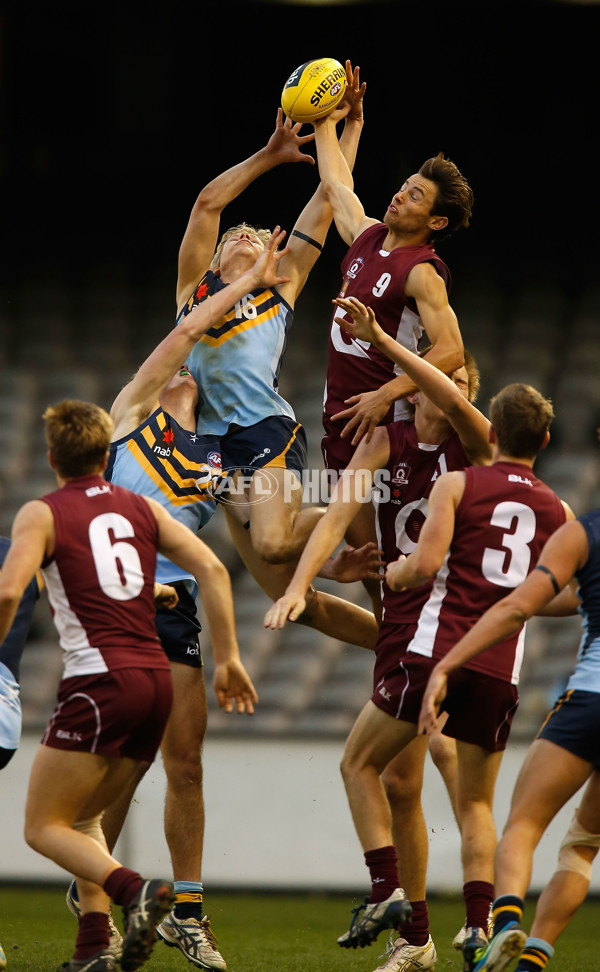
x: 507, y: 908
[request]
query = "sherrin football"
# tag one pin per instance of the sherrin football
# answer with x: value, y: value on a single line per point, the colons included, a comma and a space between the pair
x: 313, y: 89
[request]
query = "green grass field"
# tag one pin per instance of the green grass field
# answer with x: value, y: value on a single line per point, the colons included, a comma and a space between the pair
x: 263, y: 933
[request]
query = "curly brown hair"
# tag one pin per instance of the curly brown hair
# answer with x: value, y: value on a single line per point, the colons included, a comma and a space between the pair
x: 454, y: 198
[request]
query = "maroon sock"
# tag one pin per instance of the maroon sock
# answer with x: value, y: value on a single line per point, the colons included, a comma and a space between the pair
x: 478, y: 897
x: 383, y: 867
x: 416, y: 931
x: 92, y: 935
x: 122, y: 885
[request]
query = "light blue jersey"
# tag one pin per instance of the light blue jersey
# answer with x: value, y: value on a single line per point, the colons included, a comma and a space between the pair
x: 586, y: 676
x: 236, y: 363
x: 173, y: 466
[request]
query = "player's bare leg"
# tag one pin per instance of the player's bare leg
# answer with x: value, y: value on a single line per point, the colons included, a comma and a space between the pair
x: 403, y: 783
x: 327, y: 613
x: 186, y: 928
x: 375, y: 739
x: 68, y: 789
x: 359, y: 532
x: 181, y: 749
x: 548, y: 778
x: 402, y: 779
x: 475, y: 782
x: 279, y: 527
x: 567, y: 889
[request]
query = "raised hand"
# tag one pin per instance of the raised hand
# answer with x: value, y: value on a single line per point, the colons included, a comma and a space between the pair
x: 265, y: 268
x: 364, y: 324
x: 285, y: 144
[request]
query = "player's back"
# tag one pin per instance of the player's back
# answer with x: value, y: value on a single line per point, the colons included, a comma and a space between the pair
x: 377, y: 277
x: 100, y: 577
x: 173, y: 466
x: 502, y: 522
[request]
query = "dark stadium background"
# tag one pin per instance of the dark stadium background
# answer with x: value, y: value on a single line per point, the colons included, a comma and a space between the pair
x: 113, y: 115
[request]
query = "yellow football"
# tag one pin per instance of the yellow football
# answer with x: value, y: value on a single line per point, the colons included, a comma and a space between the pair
x: 313, y: 89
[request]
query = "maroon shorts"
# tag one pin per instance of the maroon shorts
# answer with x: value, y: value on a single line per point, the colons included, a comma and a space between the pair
x: 480, y: 708
x: 119, y: 713
x: 337, y: 452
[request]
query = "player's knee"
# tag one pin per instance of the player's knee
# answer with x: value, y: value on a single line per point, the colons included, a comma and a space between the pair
x: 443, y: 753
x: 183, y: 767
x: 273, y: 547
x: 402, y: 789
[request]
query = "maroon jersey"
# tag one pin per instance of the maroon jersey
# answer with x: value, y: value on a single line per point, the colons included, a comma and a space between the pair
x: 502, y: 522
x: 100, y: 577
x: 401, y: 506
x: 377, y: 278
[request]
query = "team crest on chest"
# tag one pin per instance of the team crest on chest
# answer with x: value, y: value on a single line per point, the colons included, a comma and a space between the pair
x: 355, y: 268
x: 401, y: 474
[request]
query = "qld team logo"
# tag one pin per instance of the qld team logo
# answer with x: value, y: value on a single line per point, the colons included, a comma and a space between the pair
x: 401, y: 474
x: 355, y: 268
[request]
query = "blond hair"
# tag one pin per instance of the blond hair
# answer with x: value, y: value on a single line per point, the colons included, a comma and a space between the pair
x: 263, y: 235
x: 78, y: 436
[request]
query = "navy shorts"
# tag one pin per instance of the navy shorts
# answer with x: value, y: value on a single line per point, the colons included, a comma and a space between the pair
x: 574, y: 725
x: 278, y: 442
x: 480, y: 708
x: 121, y: 713
x: 178, y: 629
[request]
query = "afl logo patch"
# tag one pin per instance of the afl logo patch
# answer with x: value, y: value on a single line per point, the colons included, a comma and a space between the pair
x: 215, y: 459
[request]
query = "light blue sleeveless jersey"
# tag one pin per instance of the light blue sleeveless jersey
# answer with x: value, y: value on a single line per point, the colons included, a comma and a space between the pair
x: 169, y: 464
x: 236, y: 363
x: 586, y: 676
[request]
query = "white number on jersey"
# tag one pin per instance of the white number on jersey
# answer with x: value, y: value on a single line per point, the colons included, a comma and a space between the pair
x: 120, y: 584
x: 404, y: 544
x: 382, y: 284
x: 245, y: 308
x: 511, y: 570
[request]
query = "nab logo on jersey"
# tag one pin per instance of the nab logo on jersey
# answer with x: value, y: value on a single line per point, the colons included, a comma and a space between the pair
x: 165, y: 453
x: 355, y: 268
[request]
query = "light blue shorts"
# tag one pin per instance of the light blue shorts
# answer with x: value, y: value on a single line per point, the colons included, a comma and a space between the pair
x: 10, y: 710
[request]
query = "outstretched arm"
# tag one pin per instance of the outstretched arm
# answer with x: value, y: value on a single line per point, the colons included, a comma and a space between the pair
x: 315, y: 219
x: 353, y: 485
x: 201, y: 235
x: 32, y: 537
x: 137, y: 399
x: 179, y: 544
x: 470, y: 424
x: 565, y: 552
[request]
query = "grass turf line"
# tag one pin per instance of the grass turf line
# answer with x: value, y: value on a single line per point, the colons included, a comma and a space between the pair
x: 262, y: 933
